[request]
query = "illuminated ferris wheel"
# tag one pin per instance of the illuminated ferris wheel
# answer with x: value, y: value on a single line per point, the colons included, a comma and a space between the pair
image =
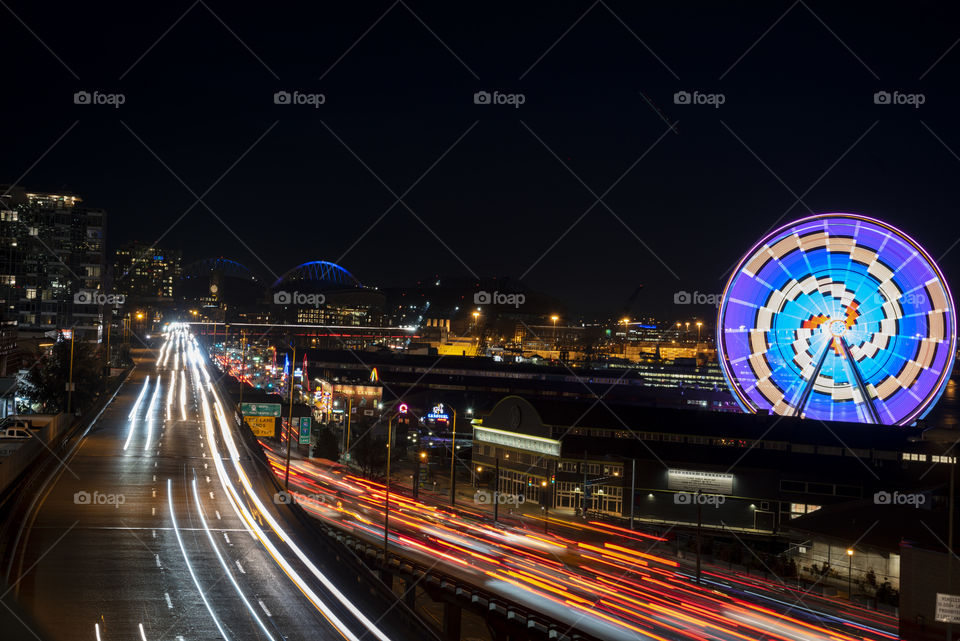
x: 837, y: 317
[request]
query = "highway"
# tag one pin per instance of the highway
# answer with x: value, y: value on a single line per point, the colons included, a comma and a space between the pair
x: 155, y: 529
x: 601, y: 579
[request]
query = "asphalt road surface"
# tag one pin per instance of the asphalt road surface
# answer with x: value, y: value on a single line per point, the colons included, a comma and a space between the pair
x: 137, y: 537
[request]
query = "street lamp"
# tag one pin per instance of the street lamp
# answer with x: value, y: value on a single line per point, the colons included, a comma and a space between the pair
x: 699, y: 325
x: 850, y: 573
x: 416, y: 476
x: 554, y: 318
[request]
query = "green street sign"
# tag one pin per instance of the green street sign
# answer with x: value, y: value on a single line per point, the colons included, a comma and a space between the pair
x: 260, y: 409
x: 304, y: 430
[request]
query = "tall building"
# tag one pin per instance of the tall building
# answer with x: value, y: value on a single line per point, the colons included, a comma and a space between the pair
x: 146, y: 273
x: 51, y: 249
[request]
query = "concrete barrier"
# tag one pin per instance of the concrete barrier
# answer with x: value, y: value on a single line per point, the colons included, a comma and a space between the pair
x: 16, y: 455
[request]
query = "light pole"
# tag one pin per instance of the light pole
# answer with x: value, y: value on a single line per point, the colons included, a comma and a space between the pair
x: 416, y: 476
x: 286, y: 480
x: 850, y: 573
x: 453, y: 460
x: 70, y: 383
x: 386, y: 499
x: 699, y: 325
x: 554, y: 318
x: 546, y: 505
x: 699, y: 496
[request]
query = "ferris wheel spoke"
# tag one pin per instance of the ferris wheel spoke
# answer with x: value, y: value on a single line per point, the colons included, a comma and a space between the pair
x: 808, y: 386
x: 859, y: 379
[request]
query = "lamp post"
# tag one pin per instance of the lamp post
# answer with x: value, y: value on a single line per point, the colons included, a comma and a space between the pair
x: 453, y: 459
x: 546, y: 505
x: 699, y: 325
x: 286, y: 479
x: 554, y: 318
x: 386, y: 498
x: 70, y: 383
x: 699, y: 496
x: 496, y: 486
x: 416, y: 476
x: 850, y: 573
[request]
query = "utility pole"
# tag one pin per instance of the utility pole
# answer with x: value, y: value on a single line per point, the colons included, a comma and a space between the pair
x: 633, y: 487
x: 453, y: 464
x: 286, y: 480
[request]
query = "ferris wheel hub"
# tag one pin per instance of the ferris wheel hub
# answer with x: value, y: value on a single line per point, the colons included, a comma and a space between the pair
x: 838, y: 328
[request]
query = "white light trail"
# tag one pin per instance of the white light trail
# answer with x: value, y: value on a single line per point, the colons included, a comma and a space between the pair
x: 193, y: 575
x: 223, y: 564
x: 153, y: 402
x: 133, y: 412
x: 240, y: 508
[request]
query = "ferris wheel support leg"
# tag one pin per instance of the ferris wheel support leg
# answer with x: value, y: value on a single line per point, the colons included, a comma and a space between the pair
x: 808, y: 388
x: 860, y: 385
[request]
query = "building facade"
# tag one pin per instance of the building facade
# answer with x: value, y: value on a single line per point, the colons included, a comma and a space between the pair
x: 52, y: 261
x: 146, y: 273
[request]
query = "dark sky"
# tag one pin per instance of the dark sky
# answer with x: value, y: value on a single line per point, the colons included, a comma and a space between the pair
x: 798, y: 82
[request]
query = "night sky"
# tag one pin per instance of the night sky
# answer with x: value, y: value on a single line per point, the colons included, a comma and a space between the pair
x: 496, y: 190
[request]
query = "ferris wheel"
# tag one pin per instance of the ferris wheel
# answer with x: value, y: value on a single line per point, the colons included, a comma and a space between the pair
x: 837, y: 317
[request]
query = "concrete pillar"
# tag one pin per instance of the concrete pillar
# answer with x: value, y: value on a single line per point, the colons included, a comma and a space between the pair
x: 451, y: 622
x: 410, y: 593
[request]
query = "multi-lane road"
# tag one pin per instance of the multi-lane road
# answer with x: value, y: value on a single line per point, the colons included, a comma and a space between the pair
x: 156, y: 528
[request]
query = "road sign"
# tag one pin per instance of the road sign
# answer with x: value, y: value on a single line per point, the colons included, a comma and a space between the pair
x: 260, y: 409
x: 262, y: 426
x: 948, y: 608
x: 304, y: 430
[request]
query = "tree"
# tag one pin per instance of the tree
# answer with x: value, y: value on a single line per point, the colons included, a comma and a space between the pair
x: 46, y: 382
x: 370, y: 454
x: 327, y: 445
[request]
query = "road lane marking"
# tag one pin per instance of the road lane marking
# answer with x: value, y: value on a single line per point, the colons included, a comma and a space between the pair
x: 264, y: 606
x: 218, y: 514
x: 166, y: 595
x: 226, y: 538
x: 157, y: 558
x: 240, y: 567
